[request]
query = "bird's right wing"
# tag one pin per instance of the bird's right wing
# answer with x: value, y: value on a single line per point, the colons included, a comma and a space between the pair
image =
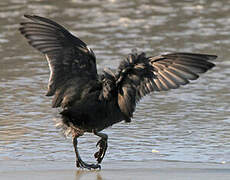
x: 67, y: 55
x: 139, y: 75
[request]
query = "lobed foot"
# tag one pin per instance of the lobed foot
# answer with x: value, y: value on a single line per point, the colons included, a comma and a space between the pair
x: 102, y: 143
x: 83, y: 165
x: 99, y: 155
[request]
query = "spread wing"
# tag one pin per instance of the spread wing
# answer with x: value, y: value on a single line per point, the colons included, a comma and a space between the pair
x: 139, y: 75
x: 67, y: 55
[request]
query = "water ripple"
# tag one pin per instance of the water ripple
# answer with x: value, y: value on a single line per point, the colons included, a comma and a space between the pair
x: 189, y: 124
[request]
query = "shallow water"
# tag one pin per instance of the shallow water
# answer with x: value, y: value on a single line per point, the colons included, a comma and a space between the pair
x: 190, y: 124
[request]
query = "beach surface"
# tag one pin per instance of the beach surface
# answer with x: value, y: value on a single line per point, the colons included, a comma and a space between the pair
x: 52, y: 170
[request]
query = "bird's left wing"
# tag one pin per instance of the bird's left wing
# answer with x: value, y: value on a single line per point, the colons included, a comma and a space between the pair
x: 139, y: 75
x: 68, y: 57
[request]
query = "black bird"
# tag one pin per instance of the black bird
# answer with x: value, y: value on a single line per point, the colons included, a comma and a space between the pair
x: 91, y: 102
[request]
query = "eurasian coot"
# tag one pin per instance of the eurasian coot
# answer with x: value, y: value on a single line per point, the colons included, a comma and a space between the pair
x: 92, y: 102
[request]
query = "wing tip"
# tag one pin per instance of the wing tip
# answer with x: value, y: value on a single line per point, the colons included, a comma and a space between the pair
x: 27, y: 16
x: 212, y: 57
x: 31, y: 17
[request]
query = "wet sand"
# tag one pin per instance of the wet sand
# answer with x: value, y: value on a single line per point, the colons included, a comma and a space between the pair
x: 22, y: 170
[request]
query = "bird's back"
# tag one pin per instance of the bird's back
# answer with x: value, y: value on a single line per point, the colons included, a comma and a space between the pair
x: 73, y: 90
x: 85, y: 109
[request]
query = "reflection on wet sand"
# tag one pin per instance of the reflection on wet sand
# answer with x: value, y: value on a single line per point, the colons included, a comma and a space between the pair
x: 86, y: 174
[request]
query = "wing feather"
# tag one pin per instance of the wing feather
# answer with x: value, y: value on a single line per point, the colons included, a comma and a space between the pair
x: 139, y: 75
x: 68, y: 57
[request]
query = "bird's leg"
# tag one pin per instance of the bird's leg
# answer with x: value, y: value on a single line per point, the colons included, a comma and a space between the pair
x: 102, y: 143
x: 79, y: 162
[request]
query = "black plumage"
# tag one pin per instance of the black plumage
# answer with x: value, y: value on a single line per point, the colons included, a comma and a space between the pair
x: 93, y: 102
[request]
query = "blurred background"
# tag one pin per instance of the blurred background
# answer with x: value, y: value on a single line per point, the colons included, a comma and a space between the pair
x: 190, y: 124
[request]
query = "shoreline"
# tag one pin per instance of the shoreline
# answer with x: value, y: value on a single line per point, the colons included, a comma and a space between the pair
x: 56, y: 170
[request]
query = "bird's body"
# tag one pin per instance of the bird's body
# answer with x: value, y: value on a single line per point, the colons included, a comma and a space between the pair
x: 92, y: 102
x: 89, y: 113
